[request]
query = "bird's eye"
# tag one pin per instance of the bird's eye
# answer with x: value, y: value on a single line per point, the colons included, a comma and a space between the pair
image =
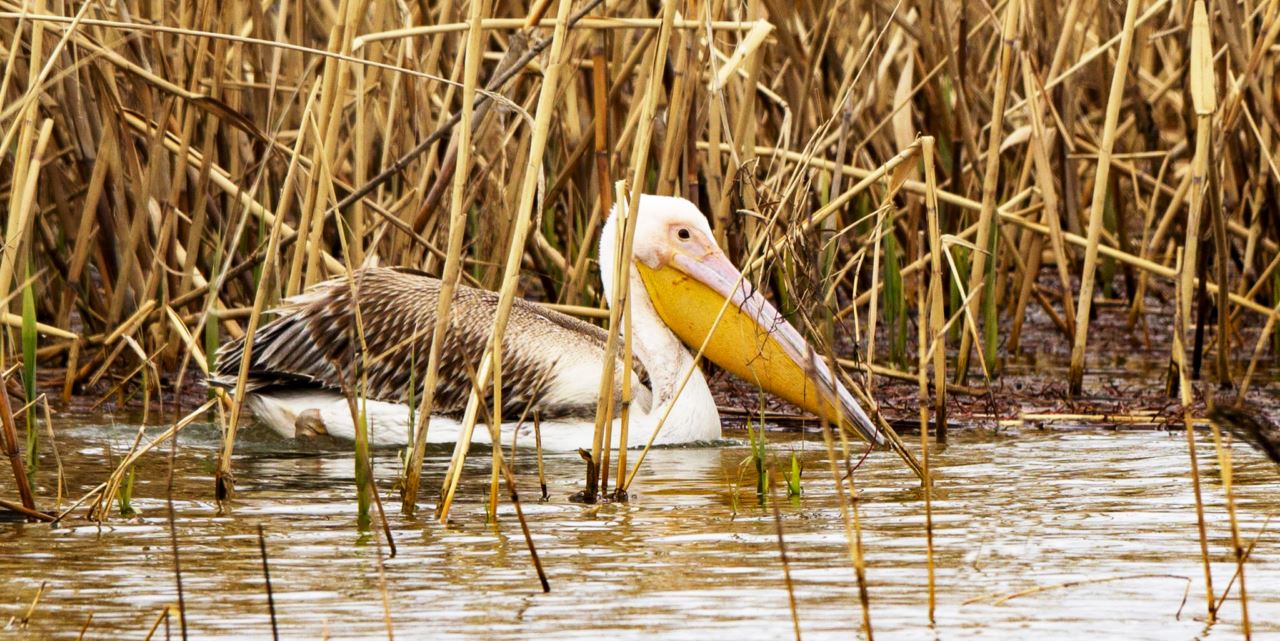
x: 683, y: 233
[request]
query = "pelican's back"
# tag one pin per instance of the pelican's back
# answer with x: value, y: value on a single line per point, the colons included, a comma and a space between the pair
x: 551, y: 362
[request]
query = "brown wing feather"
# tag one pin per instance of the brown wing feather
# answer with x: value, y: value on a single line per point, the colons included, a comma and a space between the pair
x: 314, y: 342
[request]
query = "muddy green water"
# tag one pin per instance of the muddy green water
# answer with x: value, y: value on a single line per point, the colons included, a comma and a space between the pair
x: 682, y: 560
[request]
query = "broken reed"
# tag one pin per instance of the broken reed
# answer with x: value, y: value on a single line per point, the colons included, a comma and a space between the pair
x: 155, y: 149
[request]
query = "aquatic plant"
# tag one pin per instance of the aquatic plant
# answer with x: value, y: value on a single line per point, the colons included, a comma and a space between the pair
x: 895, y: 302
x: 125, y: 495
x: 29, y: 338
x: 759, y: 459
x: 792, y: 474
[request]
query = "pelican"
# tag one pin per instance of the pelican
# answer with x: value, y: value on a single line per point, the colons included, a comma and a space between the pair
x: 303, y: 363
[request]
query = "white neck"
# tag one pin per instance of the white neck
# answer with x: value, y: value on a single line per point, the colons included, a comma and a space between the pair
x: 694, y: 416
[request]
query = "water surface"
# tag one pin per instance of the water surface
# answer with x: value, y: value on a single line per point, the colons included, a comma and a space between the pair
x: 693, y: 555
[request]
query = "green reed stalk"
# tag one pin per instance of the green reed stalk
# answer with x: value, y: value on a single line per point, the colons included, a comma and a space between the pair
x: 364, y: 484
x: 125, y: 497
x: 895, y: 303
x: 29, y: 372
x: 792, y: 475
x: 960, y: 258
x: 759, y: 459
x: 212, y: 335
x: 990, y: 314
x: 1275, y: 295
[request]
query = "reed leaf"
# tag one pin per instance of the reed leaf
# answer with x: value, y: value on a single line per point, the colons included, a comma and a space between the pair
x: 895, y: 303
x: 990, y: 299
x: 29, y: 337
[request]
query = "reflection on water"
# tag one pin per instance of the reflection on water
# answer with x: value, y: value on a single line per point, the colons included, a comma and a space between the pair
x: 682, y: 560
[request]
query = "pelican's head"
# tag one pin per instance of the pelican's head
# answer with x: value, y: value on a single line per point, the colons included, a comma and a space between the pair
x: 695, y: 288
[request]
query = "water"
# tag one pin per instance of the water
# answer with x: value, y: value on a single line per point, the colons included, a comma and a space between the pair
x: 682, y: 560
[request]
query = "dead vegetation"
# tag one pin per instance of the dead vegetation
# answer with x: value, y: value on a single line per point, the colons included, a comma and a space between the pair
x: 173, y: 169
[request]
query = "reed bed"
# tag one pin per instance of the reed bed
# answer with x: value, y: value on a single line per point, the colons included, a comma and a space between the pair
x: 173, y: 170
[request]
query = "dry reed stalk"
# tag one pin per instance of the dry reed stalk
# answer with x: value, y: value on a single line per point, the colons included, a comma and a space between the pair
x: 1253, y: 544
x: 382, y: 568
x: 31, y: 514
x: 867, y: 179
x: 877, y: 234
x: 923, y: 346
x: 786, y: 566
x: 516, y: 46
x: 163, y: 617
x: 173, y: 532
x: 601, y: 96
x: 100, y: 510
x: 743, y: 136
x: 1087, y: 57
x: 85, y: 628
x: 21, y: 208
x: 505, y: 74
x: 623, y: 231
x: 137, y: 454
x: 998, y: 599
x: 596, y: 23
x: 1259, y: 346
x: 621, y: 306
x: 1222, y: 251
x: 329, y: 118
x: 537, y: 445
x: 1146, y: 247
x: 1227, y: 472
x: 224, y: 480
x: 1041, y: 149
x: 863, y: 175
x: 856, y: 549
x: 491, y: 363
x: 25, y: 107
x: 624, y: 420
x: 266, y: 578
x: 1075, y: 373
x: 1152, y: 267
x: 495, y: 433
x: 9, y: 440
x: 354, y: 381
x: 1205, y: 103
x: 937, y: 314
x: 909, y: 377
x: 449, y: 279
x: 681, y: 110
x: 1069, y: 18
x: 221, y: 178
x: 604, y: 205
x: 990, y: 180
x: 524, y: 526
x: 1184, y: 397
